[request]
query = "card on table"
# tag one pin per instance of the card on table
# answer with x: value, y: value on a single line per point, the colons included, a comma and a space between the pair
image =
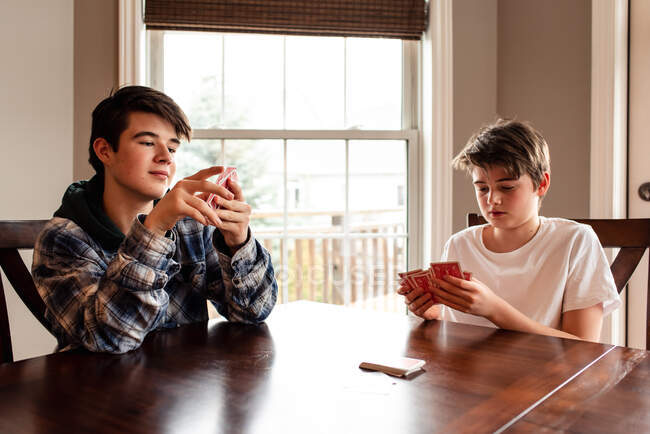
x: 396, y: 366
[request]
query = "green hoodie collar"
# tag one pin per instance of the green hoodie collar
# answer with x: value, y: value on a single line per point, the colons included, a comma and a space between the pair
x: 82, y: 203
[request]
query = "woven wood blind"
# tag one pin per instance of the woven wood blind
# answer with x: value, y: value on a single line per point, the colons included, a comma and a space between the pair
x: 402, y: 19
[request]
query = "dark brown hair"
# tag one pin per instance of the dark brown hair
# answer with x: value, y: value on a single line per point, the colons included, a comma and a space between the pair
x: 111, y: 116
x: 515, y: 146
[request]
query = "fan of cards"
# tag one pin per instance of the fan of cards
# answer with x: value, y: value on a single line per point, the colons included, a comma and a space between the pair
x: 222, y: 178
x: 423, y: 278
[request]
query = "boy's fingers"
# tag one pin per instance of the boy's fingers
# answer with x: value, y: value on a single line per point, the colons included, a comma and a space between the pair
x: 232, y: 216
x: 421, y: 301
x: 403, y: 290
x: 461, y: 283
x: 202, y: 207
x: 441, y: 293
x: 413, y: 294
x: 236, y: 189
x: 456, y: 306
x: 194, y: 186
x: 421, y: 310
x: 452, y: 289
x: 206, y: 173
x: 236, y: 205
x: 194, y: 213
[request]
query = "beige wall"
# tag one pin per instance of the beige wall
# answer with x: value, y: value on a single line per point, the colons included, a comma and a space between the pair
x: 60, y: 57
x: 475, y: 87
x: 36, y: 123
x: 95, y: 70
x: 545, y: 77
x: 543, y: 71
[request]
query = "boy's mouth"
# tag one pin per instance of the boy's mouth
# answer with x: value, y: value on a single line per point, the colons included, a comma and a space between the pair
x: 496, y: 213
x: 160, y: 174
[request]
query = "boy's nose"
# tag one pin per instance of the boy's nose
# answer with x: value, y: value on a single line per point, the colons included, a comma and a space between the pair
x: 164, y: 156
x: 494, y: 198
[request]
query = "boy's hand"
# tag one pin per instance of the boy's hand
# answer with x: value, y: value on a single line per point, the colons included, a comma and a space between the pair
x: 419, y: 302
x: 234, y: 216
x: 187, y: 199
x: 468, y: 296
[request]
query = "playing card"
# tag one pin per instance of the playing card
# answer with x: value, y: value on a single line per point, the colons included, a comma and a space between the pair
x: 441, y: 269
x: 228, y: 173
x: 421, y: 280
x: 404, y: 276
x: 467, y: 275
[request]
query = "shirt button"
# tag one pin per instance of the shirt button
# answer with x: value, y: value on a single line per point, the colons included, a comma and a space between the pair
x: 236, y: 280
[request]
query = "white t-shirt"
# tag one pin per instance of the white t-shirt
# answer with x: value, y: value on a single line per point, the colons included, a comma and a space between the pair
x: 563, y: 267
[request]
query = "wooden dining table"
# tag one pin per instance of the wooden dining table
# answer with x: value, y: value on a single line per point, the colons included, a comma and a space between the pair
x: 299, y: 373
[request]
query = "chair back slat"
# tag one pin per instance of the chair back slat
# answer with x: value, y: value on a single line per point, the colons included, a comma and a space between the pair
x: 6, y: 352
x: 631, y: 236
x: 14, y: 235
x: 624, y: 264
x: 20, y: 234
x: 20, y: 278
x: 621, y: 232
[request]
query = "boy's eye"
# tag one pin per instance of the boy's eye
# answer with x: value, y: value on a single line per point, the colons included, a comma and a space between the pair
x: 147, y: 143
x: 483, y: 189
x: 171, y: 150
x: 507, y: 187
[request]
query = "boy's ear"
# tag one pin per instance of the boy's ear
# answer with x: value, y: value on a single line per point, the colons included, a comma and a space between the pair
x: 103, y: 150
x: 544, y: 185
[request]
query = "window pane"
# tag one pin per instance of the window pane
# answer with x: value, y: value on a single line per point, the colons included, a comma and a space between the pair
x: 274, y: 246
x: 315, y: 77
x: 375, y: 83
x: 253, y: 81
x: 315, y: 270
x: 260, y: 167
x: 192, y: 75
x: 377, y: 186
x: 374, y: 264
x: 316, y: 185
x: 196, y: 155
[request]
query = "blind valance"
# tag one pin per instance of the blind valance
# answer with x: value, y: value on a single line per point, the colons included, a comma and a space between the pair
x: 402, y: 19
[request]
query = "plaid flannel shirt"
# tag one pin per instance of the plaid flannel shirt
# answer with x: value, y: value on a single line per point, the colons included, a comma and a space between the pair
x: 108, y: 301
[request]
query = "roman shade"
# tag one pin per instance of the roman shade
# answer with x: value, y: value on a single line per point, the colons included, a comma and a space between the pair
x: 401, y: 19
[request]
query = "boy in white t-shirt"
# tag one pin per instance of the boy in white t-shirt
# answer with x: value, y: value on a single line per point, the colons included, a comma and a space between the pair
x: 530, y: 273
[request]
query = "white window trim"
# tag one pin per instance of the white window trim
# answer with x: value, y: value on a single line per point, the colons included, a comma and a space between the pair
x: 608, y: 164
x: 437, y: 129
x: 130, y: 42
x: 430, y: 181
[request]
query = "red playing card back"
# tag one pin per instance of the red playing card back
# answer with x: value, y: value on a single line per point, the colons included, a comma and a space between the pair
x: 467, y: 275
x: 421, y: 280
x: 228, y: 173
x: 441, y: 269
x: 405, y: 277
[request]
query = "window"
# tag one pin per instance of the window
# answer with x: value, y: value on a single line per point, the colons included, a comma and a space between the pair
x: 322, y: 132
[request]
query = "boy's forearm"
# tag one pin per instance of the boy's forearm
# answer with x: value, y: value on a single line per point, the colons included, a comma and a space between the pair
x: 247, y: 290
x: 509, y: 318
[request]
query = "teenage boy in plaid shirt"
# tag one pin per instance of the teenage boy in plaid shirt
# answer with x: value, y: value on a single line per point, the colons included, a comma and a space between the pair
x: 111, y: 267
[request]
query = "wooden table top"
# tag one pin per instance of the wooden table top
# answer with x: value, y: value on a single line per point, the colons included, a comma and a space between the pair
x: 612, y: 395
x: 299, y: 373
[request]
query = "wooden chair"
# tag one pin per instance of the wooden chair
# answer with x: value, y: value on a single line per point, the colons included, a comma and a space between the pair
x: 631, y: 236
x: 14, y: 235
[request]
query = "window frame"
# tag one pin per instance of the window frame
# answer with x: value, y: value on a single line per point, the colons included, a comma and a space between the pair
x: 410, y: 133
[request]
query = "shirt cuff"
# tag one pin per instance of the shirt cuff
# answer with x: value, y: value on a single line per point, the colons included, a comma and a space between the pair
x: 149, y: 248
x: 246, y: 254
